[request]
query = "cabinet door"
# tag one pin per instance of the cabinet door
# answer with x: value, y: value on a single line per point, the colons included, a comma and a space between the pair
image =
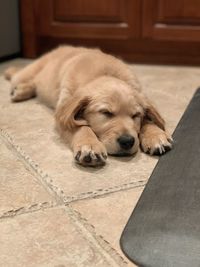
x: 171, y: 20
x: 104, y: 19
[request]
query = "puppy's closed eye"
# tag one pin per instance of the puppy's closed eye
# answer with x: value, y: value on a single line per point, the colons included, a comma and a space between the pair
x: 107, y: 113
x: 136, y: 115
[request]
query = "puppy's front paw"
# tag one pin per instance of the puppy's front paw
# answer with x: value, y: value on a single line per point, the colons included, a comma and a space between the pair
x: 91, y: 154
x: 157, y: 143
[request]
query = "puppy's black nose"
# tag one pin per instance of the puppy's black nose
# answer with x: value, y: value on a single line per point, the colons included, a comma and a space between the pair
x: 126, y: 141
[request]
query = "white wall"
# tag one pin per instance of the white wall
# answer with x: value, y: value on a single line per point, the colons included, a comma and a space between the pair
x: 9, y: 28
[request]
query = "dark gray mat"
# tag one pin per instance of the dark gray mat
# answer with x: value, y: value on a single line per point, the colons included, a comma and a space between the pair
x: 164, y: 229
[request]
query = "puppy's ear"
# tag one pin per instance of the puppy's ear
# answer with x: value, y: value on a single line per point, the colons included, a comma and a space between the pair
x: 151, y: 114
x: 69, y: 113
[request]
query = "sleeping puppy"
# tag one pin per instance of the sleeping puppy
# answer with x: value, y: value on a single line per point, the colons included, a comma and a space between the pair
x: 99, y: 106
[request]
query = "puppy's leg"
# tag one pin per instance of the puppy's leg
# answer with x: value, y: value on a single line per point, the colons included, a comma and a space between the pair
x: 22, y: 81
x: 88, y: 150
x: 23, y: 91
x: 29, y: 72
x: 154, y: 140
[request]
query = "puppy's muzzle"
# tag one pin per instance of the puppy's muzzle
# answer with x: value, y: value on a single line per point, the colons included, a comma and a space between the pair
x: 126, y: 142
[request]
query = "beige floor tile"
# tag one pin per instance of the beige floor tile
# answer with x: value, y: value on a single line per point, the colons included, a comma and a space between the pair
x: 18, y: 187
x: 110, y: 214
x: 46, y: 238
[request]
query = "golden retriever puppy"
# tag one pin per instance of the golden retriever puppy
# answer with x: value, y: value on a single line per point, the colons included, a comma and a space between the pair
x: 99, y: 107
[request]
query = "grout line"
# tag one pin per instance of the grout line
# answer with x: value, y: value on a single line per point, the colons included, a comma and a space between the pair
x: 33, y: 166
x: 108, y: 252
x: 100, y: 193
x: 28, y: 209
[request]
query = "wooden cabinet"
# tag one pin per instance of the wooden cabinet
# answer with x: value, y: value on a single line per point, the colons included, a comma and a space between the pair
x: 88, y: 19
x: 160, y: 31
x: 171, y: 20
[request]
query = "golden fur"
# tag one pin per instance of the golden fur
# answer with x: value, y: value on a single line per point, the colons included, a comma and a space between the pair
x: 99, y: 107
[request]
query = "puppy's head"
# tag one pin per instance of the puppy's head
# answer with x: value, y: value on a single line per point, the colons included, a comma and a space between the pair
x: 114, y: 111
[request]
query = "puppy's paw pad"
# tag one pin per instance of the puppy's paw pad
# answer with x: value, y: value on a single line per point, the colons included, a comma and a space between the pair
x: 157, y: 145
x: 87, y: 156
x: 162, y: 149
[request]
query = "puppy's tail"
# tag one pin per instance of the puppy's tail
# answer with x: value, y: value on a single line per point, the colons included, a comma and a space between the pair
x: 10, y: 72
